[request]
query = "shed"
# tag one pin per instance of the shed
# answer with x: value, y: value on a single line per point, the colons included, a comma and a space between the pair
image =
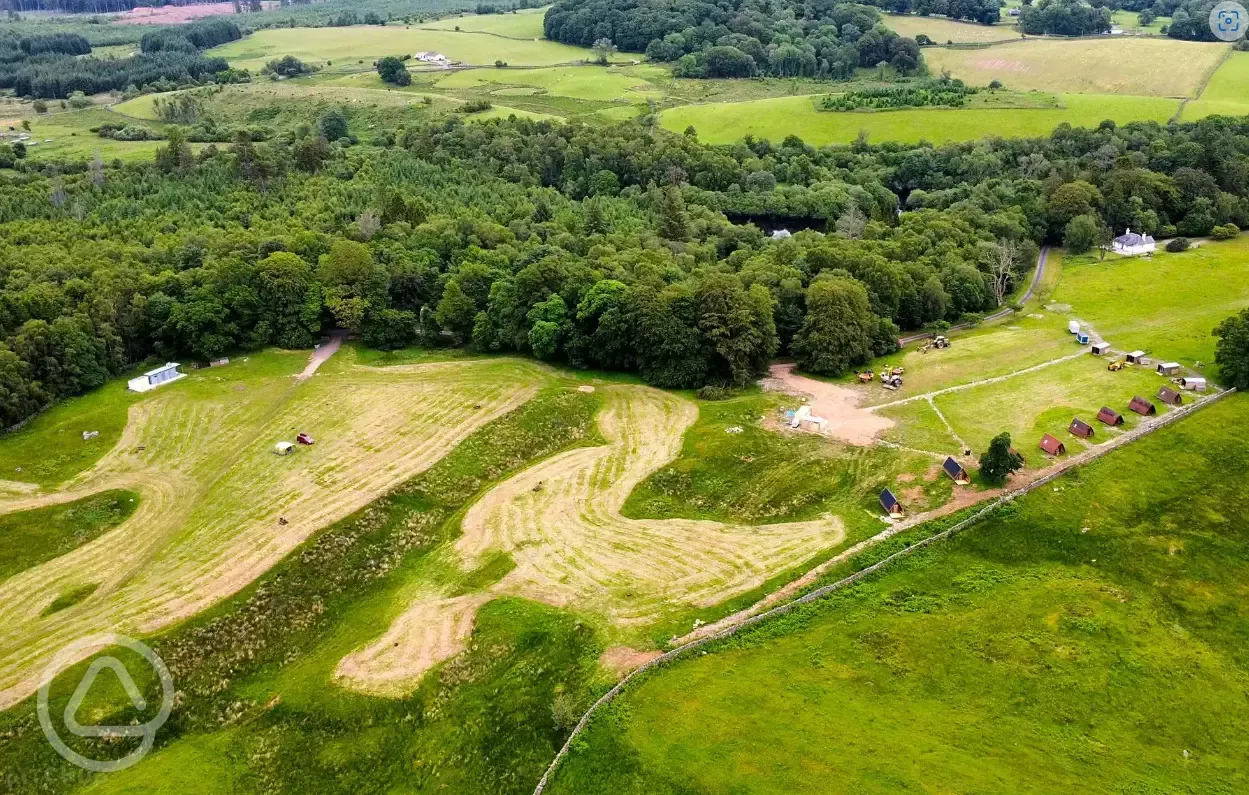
x: 162, y: 375
x: 1080, y: 428
x: 1082, y: 338
x: 1110, y: 416
x: 1073, y: 326
x: 890, y: 503
x: 1169, y: 368
x: 1101, y: 348
x: 1052, y: 446
x: 1193, y: 383
x: 956, y: 471
x: 1137, y: 357
x: 1142, y: 406
x: 283, y: 448
x: 1170, y: 396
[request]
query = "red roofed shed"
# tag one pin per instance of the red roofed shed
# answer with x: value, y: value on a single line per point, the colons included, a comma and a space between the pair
x: 1170, y: 397
x: 1142, y: 406
x: 1110, y: 416
x: 1081, y: 428
x: 1052, y: 446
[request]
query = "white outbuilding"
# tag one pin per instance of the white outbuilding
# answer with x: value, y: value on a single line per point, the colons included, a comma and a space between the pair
x: 162, y: 375
x: 1131, y: 244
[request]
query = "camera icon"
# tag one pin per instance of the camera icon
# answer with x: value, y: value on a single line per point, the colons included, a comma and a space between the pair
x: 146, y: 731
x: 1228, y: 21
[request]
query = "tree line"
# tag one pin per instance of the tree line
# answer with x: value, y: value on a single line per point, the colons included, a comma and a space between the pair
x: 739, y: 39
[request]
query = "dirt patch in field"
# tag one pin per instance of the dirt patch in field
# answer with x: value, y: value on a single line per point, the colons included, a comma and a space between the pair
x: 319, y: 357
x: 933, y: 473
x: 179, y: 15
x: 622, y: 660
x: 906, y: 477
x: 837, y: 404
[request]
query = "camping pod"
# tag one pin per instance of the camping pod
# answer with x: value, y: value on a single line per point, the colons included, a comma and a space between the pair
x: 956, y: 471
x: 1195, y: 384
x: 1169, y: 368
x: 1110, y: 416
x: 1142, y: 406
x: 1052, y: 446
x: 1082, y: 338
x: 1080, y: 428
x: 890, y: 503
x: 1101, y: 348
x: 1170, y: 397
x: 1137, y: 357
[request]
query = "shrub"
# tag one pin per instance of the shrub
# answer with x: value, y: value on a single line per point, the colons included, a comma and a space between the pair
x: 715, y: 392
x: 1178, y: 244
x: 1225, y: 232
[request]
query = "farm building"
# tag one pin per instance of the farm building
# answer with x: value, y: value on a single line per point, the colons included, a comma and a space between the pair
x: 1052, y: 446
x: 1110, y: 416
x: 1170, y: 396
x: 890, y: 503
x: 1169, y: 368
x: 1081, y: 428
x: 153, y: 378
x: 1101, y: 348
x: 1142, y: 406
x: 1195, y: 384
x: 1137, y: 357
x: 283, y: 448
x: 956, y: 471
x: 432, y: 57
x: 1131, y: 244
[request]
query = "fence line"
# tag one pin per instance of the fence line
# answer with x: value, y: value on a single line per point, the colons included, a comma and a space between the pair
x: 819, y: 593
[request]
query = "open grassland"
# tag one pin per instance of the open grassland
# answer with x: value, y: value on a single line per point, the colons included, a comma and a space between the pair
x: 1130, y: 22
x: 1091, y: 637
x: 578, y: 82
x: 1167, y: 305
x: 356, y: 48
x: 523, y: 24
x: 942, y: 30
x: 1118, y: 66
x: 728, y: 122
x: 68, y: 135
x: 1227, y: 93
x: 32, y: 537
x: 199, y: 453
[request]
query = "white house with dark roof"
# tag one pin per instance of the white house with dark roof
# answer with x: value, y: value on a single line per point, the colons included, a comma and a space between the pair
x: 1131, y: 244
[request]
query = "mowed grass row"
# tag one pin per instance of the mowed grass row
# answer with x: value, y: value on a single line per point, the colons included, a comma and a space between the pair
x: 1121, y: 66
x: 774, y: 119
x: 358, y: 47
x: 1090, y: 638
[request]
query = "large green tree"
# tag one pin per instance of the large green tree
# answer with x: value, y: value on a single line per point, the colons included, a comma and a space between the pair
x: 1231, y: 353
x: 838, y: 330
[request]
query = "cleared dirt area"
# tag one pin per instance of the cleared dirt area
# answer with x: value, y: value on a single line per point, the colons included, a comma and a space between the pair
x: 561, y: 523
x: 179, y: 15
x: 837, y: 404
x: 218, y: 508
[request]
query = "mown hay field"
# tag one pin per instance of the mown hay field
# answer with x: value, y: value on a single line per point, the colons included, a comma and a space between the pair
x: 579, y: 82
x: 1088, y: 638
x: 1122, y: 66
x: 217, y: 507
x: 728, y: 122
x: 358, y: 47
x: 942, y: 30
x: 1227, y: 93
x: 525, y: 23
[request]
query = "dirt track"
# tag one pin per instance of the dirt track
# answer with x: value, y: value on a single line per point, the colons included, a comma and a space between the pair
x: 560, y: 520
x: 212, y: 492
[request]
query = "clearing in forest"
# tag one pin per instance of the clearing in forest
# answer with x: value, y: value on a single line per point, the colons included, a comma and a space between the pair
x: 524, y: 23
x: 561, y: 523
x: 942, y: 30
x: 217, y: 507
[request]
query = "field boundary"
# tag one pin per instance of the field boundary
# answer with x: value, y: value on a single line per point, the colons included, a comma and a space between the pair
x: 672, y: 655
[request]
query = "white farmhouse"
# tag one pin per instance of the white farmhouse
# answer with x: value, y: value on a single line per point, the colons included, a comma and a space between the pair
x: 153, y: 378
x: 1131, y: 244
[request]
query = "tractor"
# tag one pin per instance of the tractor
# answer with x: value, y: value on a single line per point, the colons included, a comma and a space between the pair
x: 890, y: 381
x: 866, y: 376
x: 1116, y: 365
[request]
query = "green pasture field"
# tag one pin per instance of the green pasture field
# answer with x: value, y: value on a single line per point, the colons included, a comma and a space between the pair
x: 521, y: 24
x: 1089, y: 637
x: 579, y: 82
x: 356, y: 48
x: 1167, y: 305
x: 723, y: 123
x: 31, y: 537
x: 1120, y: 66
x: 1131, y: 21
x: 1226, y: 94
x: 68, y: 135
x: 942, y: 30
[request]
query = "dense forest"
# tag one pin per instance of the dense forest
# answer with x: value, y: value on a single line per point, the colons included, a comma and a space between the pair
x: 599, y: 247
x: 1064, y: 18
x: 740, y: 39
x: 48, y: 66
